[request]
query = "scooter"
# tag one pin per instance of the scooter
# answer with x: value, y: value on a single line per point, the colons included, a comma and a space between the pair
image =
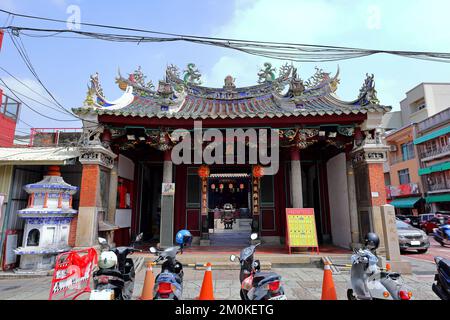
x: 257, y: 285
x: 114, y: 280
x: 442, y: 279
x: 169, y: 283
x: 369, y: 282
x: 442, y: 234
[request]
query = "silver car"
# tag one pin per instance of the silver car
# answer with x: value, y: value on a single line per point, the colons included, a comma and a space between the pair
x: 411, y: 238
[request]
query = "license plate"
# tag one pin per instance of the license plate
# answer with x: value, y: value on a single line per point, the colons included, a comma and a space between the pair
x: 280, y: 297
x: 415, y: 243
x: 102, y: 295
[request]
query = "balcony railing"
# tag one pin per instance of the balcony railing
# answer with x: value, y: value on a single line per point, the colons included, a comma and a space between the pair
x: 434, y: 153
x: 439, y: 186
x: 437, y: 119
x: 395, y: 159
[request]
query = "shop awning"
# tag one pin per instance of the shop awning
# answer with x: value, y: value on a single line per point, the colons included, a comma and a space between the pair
x: 38, y: 155
x: 439, y: 198
x: 432, y: 135
x: 405, y: 202
x: 436, y: 168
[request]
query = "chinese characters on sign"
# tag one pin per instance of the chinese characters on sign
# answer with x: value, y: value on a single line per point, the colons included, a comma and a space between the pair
x: 301, y: 228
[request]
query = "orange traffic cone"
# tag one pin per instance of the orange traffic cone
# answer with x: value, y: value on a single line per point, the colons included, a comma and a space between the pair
x: 207, y: 291
x: 328, y: 289
x: 149, y: 283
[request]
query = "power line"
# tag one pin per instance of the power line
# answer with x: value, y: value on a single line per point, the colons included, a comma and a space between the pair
x: 275, y: 50
x: 32, y: 109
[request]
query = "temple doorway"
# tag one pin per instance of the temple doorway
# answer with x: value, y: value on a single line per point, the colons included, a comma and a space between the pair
x: 229, y: 207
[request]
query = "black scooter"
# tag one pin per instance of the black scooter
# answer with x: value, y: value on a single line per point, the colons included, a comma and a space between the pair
x: 114, y: 280
x: 169, y: 283
x: 442, y: 279
x: 257, y: 285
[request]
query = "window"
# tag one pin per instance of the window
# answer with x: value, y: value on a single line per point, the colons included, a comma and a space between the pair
x: 403, y: 176
x: 33, y: 237
x: 193, y: 190
x: 407, y: 151
x: 443, y: 141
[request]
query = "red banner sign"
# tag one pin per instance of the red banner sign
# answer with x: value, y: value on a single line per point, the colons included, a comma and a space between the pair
x: 73, y: 272
x: 404, y: 190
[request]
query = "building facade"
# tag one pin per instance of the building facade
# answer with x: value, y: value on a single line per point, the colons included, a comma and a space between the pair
x: 330, y: 156
x: 433, y: 145
x: 403, y: 184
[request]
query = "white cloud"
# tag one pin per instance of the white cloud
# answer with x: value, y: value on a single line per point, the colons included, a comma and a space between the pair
x: 397, y: 25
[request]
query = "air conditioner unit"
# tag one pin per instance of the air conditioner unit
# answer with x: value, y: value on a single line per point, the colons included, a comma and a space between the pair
x: 393, y: 148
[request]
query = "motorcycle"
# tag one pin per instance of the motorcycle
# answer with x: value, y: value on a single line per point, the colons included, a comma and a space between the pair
x: 114, y: 280
x: 442, y: 285
x: 369, y: 282
x: 257, y: 285
x: 442, y: 234
x: 169, y: 283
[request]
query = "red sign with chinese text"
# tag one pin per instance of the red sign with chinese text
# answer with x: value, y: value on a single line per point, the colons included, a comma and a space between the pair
x: 72, y: 275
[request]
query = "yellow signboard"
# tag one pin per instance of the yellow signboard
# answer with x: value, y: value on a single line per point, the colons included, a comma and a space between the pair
x: 301, y: 228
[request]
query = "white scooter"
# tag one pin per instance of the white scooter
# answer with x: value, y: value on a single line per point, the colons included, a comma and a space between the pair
x: 369, y: 282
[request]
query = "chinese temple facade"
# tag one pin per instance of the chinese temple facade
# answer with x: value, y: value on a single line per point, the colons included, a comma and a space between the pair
x: 329, y: 156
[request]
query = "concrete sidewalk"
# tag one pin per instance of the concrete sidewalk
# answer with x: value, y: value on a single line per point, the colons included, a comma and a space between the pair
x: 300, y: 282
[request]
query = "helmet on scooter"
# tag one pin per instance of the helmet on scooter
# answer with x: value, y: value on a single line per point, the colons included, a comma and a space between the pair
x: 107, y: 259
x: 371, y: 241
x: 183, y: 238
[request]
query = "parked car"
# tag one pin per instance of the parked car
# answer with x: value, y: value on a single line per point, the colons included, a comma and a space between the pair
x: 414, y: 221
x: 425, y: 217
x: 434, y: 222
x: 411, y: 238
x: 405, y: 219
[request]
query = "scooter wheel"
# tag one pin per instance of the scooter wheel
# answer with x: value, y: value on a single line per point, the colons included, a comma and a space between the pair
x: 241, y: 293
x: 350, y: 295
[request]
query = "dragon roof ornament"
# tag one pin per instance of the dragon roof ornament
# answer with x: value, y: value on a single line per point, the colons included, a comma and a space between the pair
x: 368, y: 93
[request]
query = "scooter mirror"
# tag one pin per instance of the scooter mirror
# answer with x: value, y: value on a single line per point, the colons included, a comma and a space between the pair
x: 152, y: 249
x: 102, y: 241
x: 232, y: 258
x: 254, y: 236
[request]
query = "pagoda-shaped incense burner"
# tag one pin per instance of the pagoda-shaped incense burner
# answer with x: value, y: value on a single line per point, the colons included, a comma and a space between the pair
x: 47, y: 222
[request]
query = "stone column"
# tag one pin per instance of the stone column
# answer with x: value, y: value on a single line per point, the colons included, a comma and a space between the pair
x: 296, y: 179
x: 167, y: 167
x: 370, y: 156
x: 92, y: 158
x: 352, y: 204
x: 112, y: 200
x: 167, y: 205
x: 391, y: 241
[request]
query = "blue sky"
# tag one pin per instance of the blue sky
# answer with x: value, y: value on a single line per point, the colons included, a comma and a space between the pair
x: 66, y: 64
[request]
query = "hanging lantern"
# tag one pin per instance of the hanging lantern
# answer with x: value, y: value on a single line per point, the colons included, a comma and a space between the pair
x: 258, y: 171
x: 203, y: 171
x: 241, y: 186
x: 230, y: 186
x: 213, y: 186
x: 221, y: 186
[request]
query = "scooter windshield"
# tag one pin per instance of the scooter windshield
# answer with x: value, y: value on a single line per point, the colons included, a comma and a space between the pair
x: 247, y: 252
x: 170, y: 252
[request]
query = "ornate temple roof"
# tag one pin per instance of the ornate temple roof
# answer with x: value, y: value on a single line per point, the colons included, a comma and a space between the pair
x: 273, y: 97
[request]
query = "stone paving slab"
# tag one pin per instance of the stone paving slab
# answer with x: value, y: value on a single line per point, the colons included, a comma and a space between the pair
x: 302, y: 283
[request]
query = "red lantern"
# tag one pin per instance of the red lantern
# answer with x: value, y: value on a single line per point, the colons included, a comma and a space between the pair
x: 221, y: 186
x: 258, y: 171
x: 213, y: 186
x: 203, y: 171
x: 241, y: 186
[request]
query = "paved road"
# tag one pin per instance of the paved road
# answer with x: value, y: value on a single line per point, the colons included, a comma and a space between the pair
x: 300, y: 283
x: 435, y: 250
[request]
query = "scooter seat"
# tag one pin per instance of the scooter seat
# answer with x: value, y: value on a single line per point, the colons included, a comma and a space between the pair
x: 392, y: 275
x: 263, y: 277
x: 444, y: 264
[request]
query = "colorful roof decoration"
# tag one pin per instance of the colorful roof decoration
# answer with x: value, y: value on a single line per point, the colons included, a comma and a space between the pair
x: 273, y: 97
